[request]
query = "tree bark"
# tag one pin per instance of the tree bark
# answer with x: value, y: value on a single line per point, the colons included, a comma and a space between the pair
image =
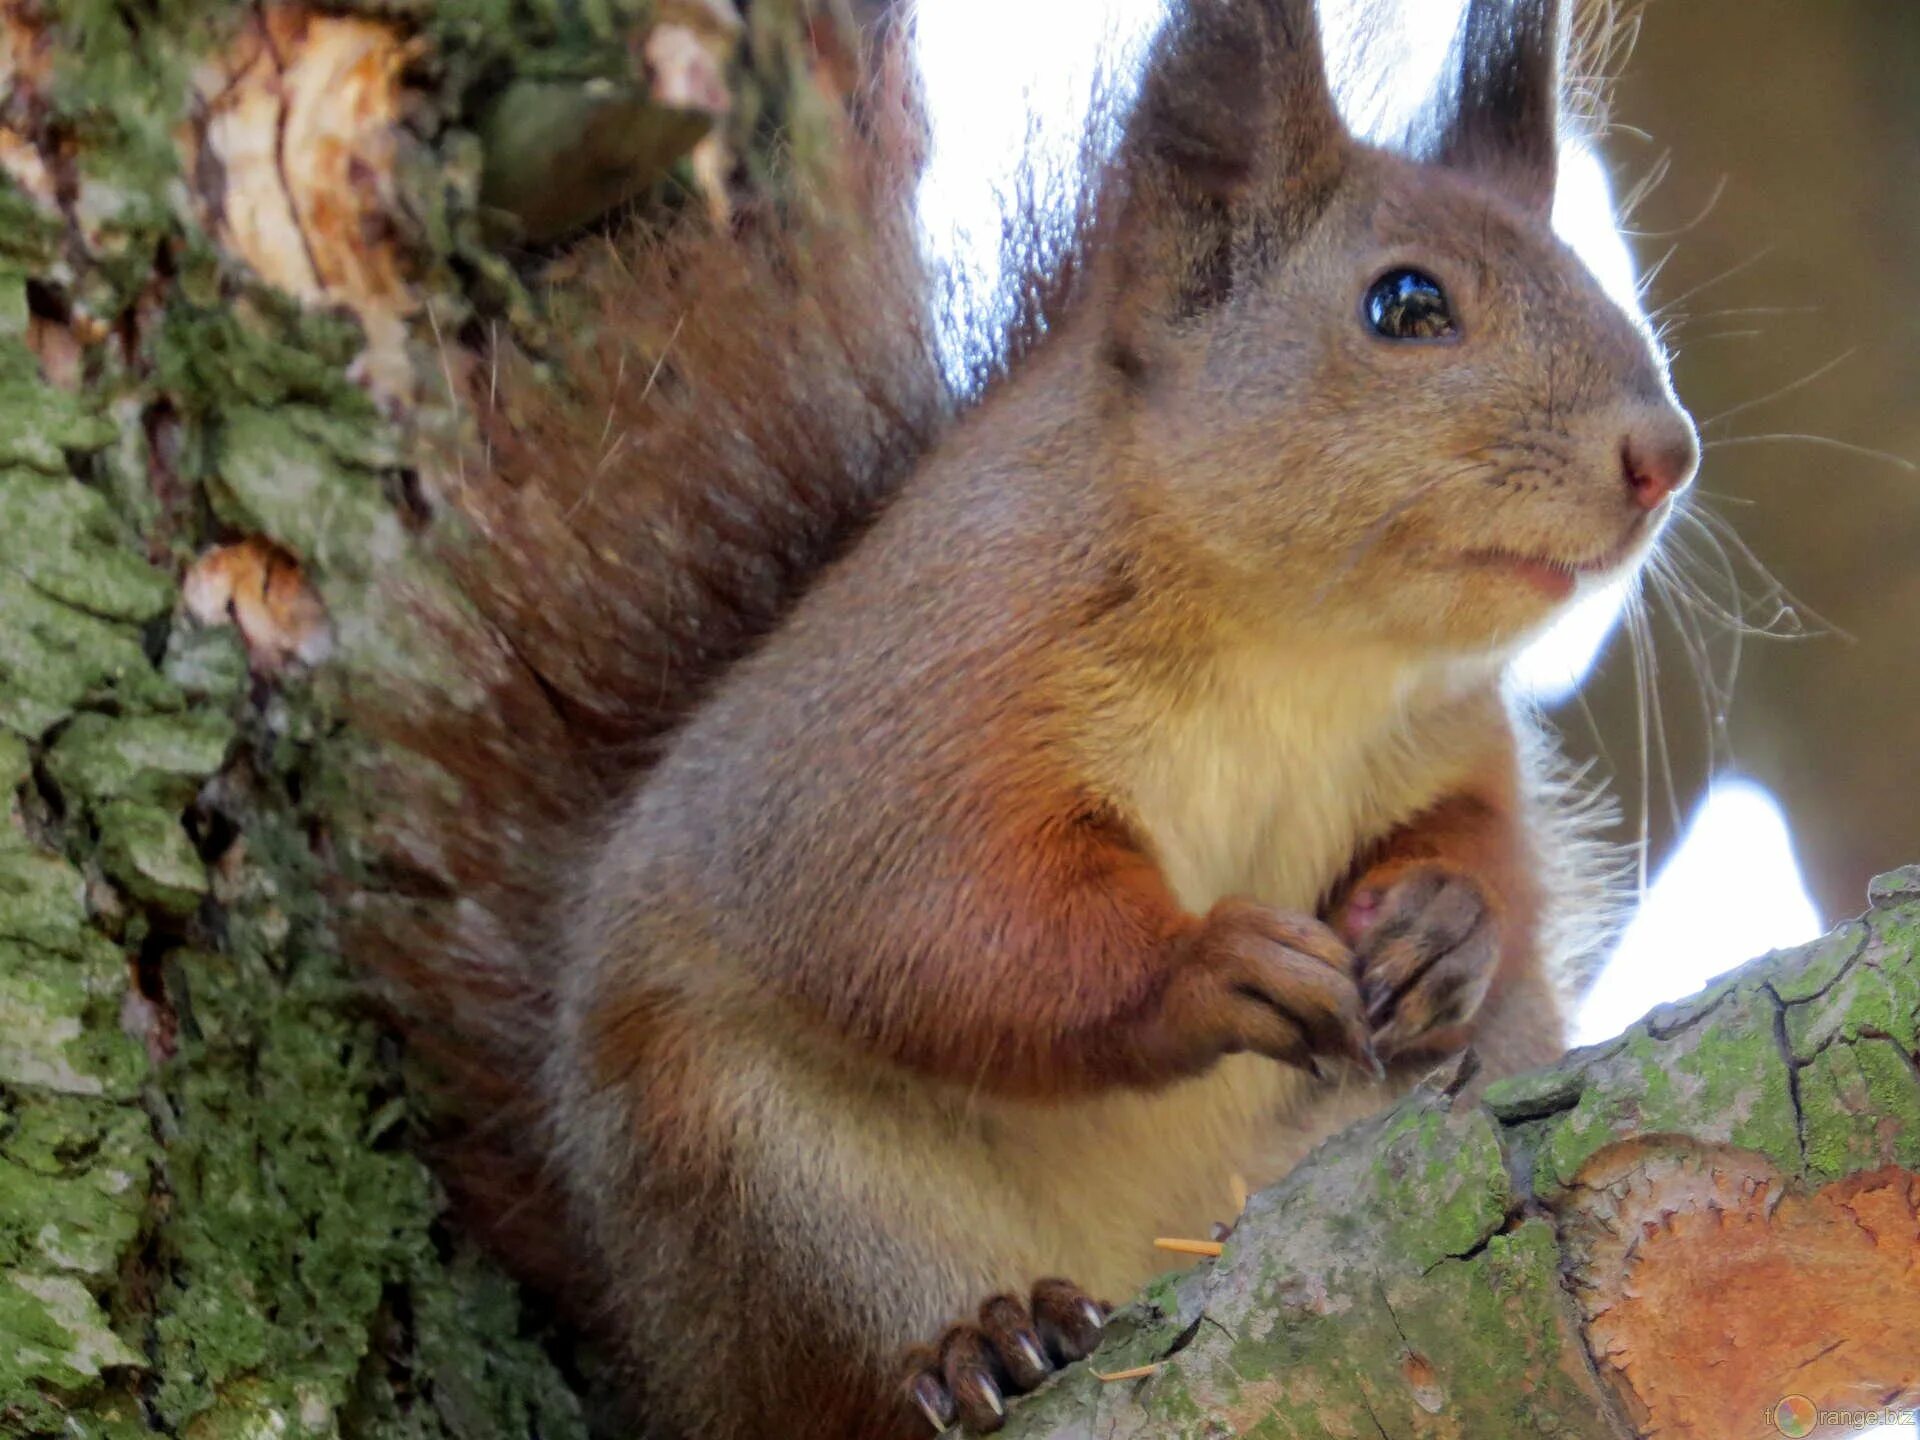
x: 1671, y: 1234
x: 240, y: 247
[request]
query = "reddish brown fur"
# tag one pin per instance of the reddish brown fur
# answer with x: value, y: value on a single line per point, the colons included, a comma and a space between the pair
x: 1475, y: 831
x: 723, y: 415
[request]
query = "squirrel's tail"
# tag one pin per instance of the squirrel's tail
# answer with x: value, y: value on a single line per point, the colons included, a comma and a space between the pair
x: 731, y: 405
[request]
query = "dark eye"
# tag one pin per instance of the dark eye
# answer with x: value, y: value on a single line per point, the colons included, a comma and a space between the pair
x: 1408, y: 305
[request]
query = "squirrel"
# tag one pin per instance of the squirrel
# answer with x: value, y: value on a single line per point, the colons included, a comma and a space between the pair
x: 918, y: 846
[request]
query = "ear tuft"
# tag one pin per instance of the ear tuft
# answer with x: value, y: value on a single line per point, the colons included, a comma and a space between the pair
x: 1237, y: 99
x: 1232, y: 150
x: 1201, y: 106
x: 1506, y: 121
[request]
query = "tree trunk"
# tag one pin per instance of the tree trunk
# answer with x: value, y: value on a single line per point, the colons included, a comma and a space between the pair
x: 239, y: 247
x: 240, y: 250
x: 1706, y: 1229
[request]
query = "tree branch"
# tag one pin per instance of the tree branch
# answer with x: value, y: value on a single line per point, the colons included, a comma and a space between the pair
x: 1668, y: 1234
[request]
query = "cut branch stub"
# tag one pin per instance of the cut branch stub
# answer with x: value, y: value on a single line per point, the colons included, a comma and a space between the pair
x: 561, y: 151
x: 1711, y: 1285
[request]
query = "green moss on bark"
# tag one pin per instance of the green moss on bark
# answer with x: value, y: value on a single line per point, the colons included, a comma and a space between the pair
x: 1387, y: 1287
x: 207, y: 1214
x: 210, y: 1223
x: 1721, y: 1076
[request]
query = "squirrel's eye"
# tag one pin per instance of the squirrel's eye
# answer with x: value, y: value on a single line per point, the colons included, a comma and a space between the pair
x: 1408, y: 305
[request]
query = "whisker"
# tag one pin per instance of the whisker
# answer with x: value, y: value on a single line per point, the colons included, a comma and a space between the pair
x: 1636, y: 649
x: 1642, y: 189
x: 1675, y: 559
x: 1727, y: 274
x: 1785, y: 623
x: 1652, y: 273
x: 1601, y: 749
x: 1817, y: 373
x: 1731, y: 310
x: 1632, y: 132
x: 1661, y: 592
x: 1673, y: 595
x: 1827, y: 442
x: 1662, y: 747
x: 1628, y: 206
x: 1723, y: 534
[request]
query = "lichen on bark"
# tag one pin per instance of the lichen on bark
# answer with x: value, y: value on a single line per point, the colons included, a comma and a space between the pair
x: 210, y: 1222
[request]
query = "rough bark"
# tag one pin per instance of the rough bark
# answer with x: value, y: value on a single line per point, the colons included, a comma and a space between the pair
x: 1670, y: 1234
x: 238, y: 247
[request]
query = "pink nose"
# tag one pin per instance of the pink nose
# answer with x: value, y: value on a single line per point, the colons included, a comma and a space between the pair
x: 1657, y: 460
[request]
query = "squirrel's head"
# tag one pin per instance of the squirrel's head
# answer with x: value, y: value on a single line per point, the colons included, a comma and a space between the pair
x: 1380, y: 385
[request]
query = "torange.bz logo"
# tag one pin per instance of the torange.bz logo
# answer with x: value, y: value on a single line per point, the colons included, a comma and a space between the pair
x: 1795, y: 1416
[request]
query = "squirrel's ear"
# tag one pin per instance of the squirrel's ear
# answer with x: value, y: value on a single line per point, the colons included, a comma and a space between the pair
x: 1237, y: 104
x: 1233, y: 148
x: 1506, y: 121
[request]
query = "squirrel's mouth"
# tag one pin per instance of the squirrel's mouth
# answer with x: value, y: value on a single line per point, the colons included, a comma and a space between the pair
x: 1554, y: 575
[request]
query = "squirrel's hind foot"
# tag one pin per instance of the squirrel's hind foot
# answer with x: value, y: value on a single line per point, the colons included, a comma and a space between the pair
x: 1008, y: 1349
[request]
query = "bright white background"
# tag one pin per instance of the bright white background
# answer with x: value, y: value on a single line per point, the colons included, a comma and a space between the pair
x: 985, y: 93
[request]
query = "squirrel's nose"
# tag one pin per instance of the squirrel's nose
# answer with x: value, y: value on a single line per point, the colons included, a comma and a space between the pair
x: 1658, y: 458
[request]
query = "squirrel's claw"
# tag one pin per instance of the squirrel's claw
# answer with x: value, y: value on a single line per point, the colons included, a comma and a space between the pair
x: 1009, y: 1349
x: 930, y: 1398
x: 1427, y: 944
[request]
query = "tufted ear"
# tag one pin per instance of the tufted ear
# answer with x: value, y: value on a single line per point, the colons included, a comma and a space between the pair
x: 1506, y: 121
x: 1233, y: 148
x: 1236, y: 96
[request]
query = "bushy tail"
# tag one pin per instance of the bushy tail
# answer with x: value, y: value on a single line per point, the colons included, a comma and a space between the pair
x: 729, y: 409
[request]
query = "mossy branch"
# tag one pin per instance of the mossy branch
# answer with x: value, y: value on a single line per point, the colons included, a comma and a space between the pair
x: 1671, y: 1234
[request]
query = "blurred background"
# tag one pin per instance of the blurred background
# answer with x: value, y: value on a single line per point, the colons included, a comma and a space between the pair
x: 1757, y: 710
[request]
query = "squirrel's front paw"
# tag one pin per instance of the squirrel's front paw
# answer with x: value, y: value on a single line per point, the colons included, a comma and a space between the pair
x: 1008, y: 1349
x: 1427, y: 944
x: 1261, y: 979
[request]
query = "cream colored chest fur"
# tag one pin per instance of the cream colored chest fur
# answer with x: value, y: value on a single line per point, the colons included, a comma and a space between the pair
x: 1250, y: 790
x: 1267, y: 780
x: 1263, y: 785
